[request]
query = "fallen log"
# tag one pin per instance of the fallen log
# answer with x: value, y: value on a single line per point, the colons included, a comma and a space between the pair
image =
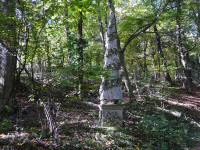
x: 178, y: 115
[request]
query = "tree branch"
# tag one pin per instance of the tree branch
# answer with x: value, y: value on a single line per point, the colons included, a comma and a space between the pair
x: 146, y: 27
x: 136, y: 34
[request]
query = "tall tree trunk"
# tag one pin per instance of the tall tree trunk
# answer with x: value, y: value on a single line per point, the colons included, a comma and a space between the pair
x: 126, y: 76
x: 101, y: 29
x: 8, y: 53
x: 145, y: 59
x: 198, y: 62
x: 184, y: 53
x: 80, y: 55
x: 102, y: 32
x: 196, y: 14
x: 162, y: 56
x: 68, y: 33
x: 48, y: 55
x: 155, y: 73
x: 25, y: 49
x: 110, y: 89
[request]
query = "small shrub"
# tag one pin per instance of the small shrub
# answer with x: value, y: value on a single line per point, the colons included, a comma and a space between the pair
x: 164, y: 133
x: 6, y: 125
x: 7, y: 110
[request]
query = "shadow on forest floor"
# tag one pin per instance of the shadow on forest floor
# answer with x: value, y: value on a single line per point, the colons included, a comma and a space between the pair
x: 145, y: 127
x: 192, y: 99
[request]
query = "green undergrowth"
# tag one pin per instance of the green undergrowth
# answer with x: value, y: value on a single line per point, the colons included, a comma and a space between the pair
x: 6, y: 125
x: 145, y: 128
x: 157, y: 130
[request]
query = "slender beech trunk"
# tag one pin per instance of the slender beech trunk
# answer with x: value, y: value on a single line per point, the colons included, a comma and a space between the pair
x: 126, y: 76
x: 101, y: 30
x: 25, y: 50
x: 48, y: 54
x: 184, y: 53
x: 162, y: 56
x: 110, y: 89
x: 68, y: 33
x: 155, y: 76
x: 7, y: 53
x: 145, y: 59
x: 80, y: 55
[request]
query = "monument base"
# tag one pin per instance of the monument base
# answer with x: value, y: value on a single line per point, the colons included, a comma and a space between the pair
x: 111, y: 114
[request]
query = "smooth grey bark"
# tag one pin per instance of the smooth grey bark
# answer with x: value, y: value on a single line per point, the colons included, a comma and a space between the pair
x: 7, y: 53
x: 110, y: 89
x: 183, y: 51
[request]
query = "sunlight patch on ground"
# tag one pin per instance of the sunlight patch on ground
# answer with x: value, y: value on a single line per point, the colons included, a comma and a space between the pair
x: 174, y: 113
x: 13, y: 135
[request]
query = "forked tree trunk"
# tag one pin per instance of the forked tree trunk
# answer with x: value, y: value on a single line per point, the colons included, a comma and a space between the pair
x: 110, y: 89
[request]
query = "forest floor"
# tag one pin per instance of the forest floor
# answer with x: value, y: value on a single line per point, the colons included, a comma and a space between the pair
x: 145, y: 126
x: 191, y: 100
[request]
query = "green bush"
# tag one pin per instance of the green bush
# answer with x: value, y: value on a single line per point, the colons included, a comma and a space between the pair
x: 6, y: 125
x: 7, y: 110
x: 165, y: 133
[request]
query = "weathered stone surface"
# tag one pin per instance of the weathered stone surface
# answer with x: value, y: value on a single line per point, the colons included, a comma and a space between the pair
x: 110, y: 89
x: 111, y: 114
